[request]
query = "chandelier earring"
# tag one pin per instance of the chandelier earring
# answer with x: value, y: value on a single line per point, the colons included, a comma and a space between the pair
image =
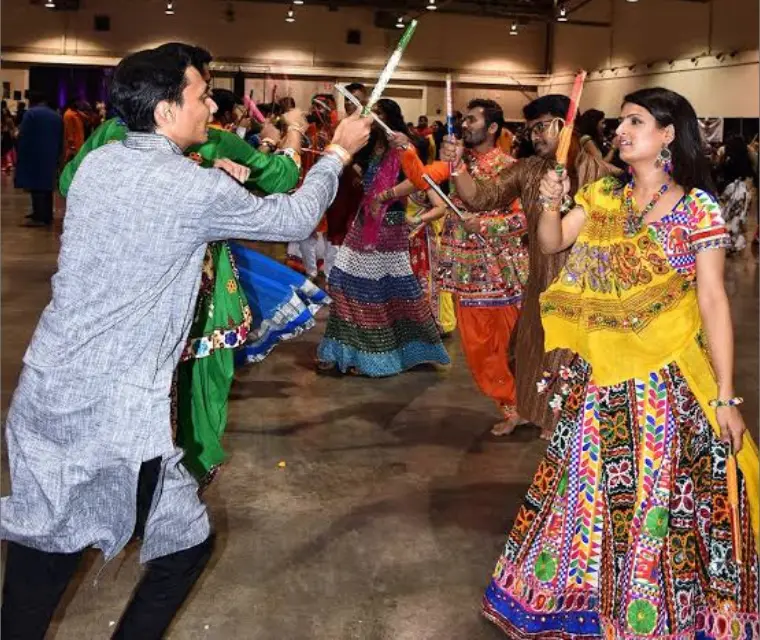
x: 664, y: 160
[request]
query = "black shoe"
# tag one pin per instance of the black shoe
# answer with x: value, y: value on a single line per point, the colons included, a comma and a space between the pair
x: 32, y: 223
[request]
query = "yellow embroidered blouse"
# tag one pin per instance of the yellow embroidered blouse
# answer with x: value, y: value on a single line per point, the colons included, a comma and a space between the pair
x: 626, y: 299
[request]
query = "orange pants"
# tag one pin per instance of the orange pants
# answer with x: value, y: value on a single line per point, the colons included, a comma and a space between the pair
x: 486, y: 333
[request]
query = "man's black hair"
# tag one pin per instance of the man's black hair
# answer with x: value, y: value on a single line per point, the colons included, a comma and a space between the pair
x: 225, y: 100
x: 143, y: 80
x: 199, y: 56
x: 553, y: 104
x: 492, y: 112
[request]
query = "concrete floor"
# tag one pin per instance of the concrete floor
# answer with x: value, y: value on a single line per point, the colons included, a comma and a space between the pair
x: 391, y: 510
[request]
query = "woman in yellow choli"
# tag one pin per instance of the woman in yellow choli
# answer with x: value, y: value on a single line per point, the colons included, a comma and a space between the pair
x: 424, y: 247
x: 627, y: 529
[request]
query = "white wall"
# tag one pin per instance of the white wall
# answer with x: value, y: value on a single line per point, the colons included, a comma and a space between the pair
x: 656, y: 33
x: 19, y: 81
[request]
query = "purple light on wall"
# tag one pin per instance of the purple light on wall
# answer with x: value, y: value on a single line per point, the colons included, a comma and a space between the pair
x: 62, y: 94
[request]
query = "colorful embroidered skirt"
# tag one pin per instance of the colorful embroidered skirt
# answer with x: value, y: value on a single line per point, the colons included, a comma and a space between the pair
x: 380, y: 322
x: 283, y: 302
x: 246, y: 306
x: 625, y: 532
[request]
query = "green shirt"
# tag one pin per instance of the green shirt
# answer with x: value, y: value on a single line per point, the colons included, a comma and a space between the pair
x: 269, y: 172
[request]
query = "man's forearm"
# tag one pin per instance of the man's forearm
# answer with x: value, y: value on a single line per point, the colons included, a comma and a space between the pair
x: 277, y: 218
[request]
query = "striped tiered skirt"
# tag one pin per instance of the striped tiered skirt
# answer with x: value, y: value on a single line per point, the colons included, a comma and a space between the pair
x: 380, y: 323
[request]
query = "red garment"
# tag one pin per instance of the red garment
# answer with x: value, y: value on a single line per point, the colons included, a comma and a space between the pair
x: 486, y: 333
x: 319, y: 137
x: 340, y: 214
x: 73, y: 133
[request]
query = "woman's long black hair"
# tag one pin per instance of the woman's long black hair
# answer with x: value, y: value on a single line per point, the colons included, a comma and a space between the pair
x: 736, y: 165
x: 691, y: 168
x: 394, y: 118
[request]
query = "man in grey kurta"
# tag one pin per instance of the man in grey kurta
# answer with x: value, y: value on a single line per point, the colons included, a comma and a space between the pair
x: 92, y: 404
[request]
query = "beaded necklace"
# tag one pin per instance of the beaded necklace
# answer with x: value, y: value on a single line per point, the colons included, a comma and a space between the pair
x: 634, y: 220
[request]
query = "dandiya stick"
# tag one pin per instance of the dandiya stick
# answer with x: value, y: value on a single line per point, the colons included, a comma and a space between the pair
x: 355, y: 101
x: 449, y: 114
x: 390, y: 67
x: 732, y: 482
x: 417, y: 229
x: 448, y: 202
x: 319, y: 103
x: 565, y: 136
x: 253, y: 110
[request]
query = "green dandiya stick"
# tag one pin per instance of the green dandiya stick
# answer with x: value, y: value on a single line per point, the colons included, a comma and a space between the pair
x: 390, y: 67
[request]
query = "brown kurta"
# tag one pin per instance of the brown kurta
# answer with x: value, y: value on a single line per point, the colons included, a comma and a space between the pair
x: 522, y: 180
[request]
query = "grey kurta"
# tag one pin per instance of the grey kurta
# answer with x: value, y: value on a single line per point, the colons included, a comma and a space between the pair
x: 92, y: 402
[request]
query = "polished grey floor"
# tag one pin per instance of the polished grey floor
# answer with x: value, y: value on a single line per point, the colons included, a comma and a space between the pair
x: 388, y: 514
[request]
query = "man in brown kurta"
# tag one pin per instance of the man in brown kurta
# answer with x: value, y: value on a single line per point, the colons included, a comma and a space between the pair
x: 522, y: 180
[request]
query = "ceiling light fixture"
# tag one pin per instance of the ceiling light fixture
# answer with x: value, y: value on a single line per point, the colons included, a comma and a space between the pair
x: 169, y: 8
x: 632, y: 0
x: 50, y: 4
x: 400, y: 23
x: 562, y: 15
x: 431, y: 5
x: 291, y: 17
x: 297, y: 1
x: 513, y: 29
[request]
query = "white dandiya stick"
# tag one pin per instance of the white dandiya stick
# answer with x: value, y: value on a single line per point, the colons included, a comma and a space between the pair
x: 448, y: 202
x: 449, y: 113
x: 355, y: 101
x: 319, y: 103
x: 390, y: 67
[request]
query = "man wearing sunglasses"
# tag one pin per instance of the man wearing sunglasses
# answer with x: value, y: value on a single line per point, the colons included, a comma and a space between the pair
x: 544, y: 120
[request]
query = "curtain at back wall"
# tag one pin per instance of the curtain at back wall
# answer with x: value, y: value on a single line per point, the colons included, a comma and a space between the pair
x: 61, y: 84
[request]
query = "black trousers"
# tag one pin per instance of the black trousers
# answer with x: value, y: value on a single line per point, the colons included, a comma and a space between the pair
x: 36, y: 580
x: 42, y: 206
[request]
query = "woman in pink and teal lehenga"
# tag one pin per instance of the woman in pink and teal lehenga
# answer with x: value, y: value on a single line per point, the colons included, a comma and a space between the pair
x: 380, y: 322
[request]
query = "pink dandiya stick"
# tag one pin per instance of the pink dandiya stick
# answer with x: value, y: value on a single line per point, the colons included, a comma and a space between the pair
x: 565, y: 136
x: 253, y: 110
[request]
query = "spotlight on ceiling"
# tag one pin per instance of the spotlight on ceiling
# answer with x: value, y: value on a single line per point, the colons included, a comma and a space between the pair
x: 50, y: 4
x: 400, y: 23
x: 297, y: 1
x: 431, y: 5
x: 632, y: 0
x: 169, y: 8
x: 562, y: 14
x: 513, y: 29
x: 291, y: 17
